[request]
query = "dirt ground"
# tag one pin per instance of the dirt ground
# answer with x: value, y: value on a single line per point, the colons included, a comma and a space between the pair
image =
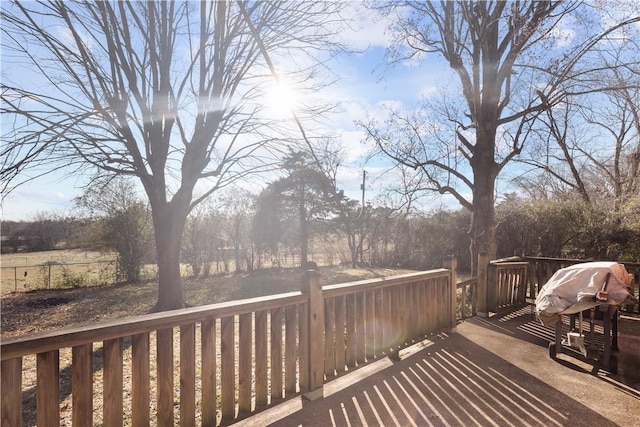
x: 29, y: 312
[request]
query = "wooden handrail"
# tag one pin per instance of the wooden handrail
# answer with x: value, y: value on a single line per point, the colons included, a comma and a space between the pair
x: 468, y: 282
x: 70, y: 337
x: 329, y: 291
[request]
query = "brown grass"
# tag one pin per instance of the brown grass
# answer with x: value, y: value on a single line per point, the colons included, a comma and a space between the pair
x: 29, y: 312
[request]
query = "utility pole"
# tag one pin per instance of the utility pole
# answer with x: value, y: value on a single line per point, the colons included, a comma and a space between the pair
x: 363, y: 215
x: 362, y: 187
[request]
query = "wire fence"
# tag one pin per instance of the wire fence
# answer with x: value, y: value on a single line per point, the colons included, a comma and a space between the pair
x: 54, y: 274
x: 59, y: 275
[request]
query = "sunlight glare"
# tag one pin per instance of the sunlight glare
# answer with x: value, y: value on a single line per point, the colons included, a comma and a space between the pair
x: 280, y: 100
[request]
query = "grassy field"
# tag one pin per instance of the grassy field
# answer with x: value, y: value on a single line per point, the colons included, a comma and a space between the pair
x: 26, y: 312
x: 64, y: 269
x: 55, y: 269
x: 60, y: 256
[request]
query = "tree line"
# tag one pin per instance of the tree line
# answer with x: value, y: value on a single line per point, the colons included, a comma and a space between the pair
x: 298, y: 216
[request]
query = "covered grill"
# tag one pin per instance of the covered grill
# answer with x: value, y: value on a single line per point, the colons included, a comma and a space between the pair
x: 596, y: 289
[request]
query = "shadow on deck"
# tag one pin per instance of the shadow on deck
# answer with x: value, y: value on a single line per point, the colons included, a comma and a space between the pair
x: 491, y: 372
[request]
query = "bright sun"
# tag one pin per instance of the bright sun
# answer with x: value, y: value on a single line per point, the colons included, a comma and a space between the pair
x: 280, y: 100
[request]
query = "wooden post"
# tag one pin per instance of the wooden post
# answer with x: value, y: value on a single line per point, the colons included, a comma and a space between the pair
x: 82, y: 384
x: 483, y: 263
x: 290, y: 350
x: 276, y: 353
x: 11, y: 385
x: 227, y: 367
x: 492, y: 287
x: 140, y: 377
x: 244, y: 362
x: 209, y: 362
x: 188, y: 375
x: 48, y: 389
x: 451, y: 263
x: 315, y: 332
x: 164, y: 364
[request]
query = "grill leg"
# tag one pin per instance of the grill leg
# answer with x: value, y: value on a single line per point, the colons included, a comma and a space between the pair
x: 606, y: 339
x: 614, y: 344
x: 559, y: 336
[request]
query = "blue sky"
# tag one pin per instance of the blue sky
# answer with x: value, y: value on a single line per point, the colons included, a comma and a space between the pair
x: 361, y: 88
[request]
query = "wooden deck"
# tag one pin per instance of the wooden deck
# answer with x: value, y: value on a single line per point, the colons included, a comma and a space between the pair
x: 375, y: 352
x: 491, y: 372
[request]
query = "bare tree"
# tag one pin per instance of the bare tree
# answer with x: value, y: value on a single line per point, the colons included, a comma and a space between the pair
x: 120, y: 222
x: 591, y: 140
x: 203, y: 239
x: 238, y: 208
x: 167, y: 92
x: 500, y: 52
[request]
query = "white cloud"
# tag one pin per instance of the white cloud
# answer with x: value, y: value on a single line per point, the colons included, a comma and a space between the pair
x: 428, y: 91
x: 353, y: 142
x: 27, y: 201
x: 367, y: 29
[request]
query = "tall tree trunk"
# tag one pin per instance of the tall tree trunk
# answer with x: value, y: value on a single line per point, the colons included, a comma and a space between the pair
x: 169, y: 223
x: 483, y: 228
x: 236, y: 245
x: 353, y: 248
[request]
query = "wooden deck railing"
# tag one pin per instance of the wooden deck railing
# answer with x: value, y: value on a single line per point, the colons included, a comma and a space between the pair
x: 375, y: 318
x: 509, y: 280
x: 467, y: 298
x: 500, y: 285
x: 220, y: 361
